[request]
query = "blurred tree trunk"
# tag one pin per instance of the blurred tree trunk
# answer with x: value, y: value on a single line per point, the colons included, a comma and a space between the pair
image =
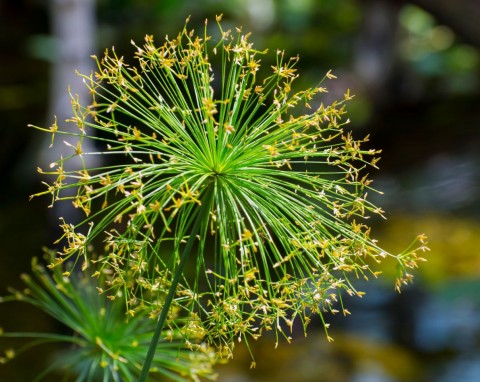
x: 375, y: 53
x: 73, y: 27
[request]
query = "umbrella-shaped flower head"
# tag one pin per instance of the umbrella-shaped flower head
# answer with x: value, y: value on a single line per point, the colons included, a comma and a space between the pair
x: 210, y: 154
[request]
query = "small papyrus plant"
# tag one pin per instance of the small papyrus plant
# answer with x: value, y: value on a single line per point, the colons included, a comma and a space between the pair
x: 104, y: 344
x: 214, y: 161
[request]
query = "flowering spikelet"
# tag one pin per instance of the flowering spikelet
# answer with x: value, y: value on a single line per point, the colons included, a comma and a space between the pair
x: 266, y: 178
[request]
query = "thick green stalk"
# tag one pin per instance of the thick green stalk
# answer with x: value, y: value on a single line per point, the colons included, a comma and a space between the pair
x: 171, y: 293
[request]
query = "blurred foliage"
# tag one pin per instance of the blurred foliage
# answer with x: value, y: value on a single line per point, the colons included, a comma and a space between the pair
x: 311, y: 359
x: 434, y: 51
x: 454, y: 244
x: 321, y: 32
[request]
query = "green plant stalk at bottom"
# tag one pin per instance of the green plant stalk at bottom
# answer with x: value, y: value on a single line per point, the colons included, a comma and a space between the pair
x: 171, y: 293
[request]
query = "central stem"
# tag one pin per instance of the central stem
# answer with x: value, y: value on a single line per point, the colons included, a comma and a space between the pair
x: 171, y: 294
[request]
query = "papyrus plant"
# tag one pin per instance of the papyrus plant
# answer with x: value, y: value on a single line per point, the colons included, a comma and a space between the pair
x: 216, y: 162
x: 104, y: 344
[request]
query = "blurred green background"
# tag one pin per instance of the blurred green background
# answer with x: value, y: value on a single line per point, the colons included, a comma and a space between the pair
x: 414, y: 67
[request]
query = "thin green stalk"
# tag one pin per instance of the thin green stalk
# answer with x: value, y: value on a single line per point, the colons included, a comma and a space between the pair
x: 171, y: 293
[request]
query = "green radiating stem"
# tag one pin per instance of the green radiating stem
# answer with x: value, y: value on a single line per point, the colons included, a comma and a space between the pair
x: 168, y: 302
x: 171, y: 292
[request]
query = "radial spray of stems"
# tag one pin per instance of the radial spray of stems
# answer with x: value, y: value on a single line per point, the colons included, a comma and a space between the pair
x: 104, y: 345
x: 209, y: 148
